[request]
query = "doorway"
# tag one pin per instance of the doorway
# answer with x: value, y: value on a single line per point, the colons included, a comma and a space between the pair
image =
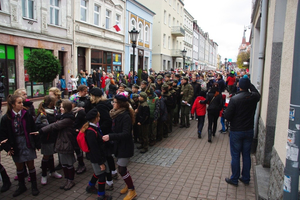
x: 80, y: 59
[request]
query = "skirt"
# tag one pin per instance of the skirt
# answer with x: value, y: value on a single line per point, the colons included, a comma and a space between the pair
x: 97, y: 169
x: 23, y: 153
x: 47, y: 149
x: 67, y: 158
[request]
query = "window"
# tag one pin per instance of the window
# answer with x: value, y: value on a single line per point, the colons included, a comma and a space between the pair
x: 118, y: 19
x: 141, y: 32
x: 54, y: 12
x: 147, y: 34
x: 146, y: 63
x: 178, y: 8
x: 169, y: 42
x: 28, y: 8
x: 164, y: 40
x: 173, y: 21
x: 83, y: 10
x: 165, y: 17
x: 96, y: 15
x: 107, y: 19
x: 169, y: 20
x: 133, y: 23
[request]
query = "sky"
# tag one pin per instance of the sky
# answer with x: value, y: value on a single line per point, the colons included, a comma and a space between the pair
x: 224, y: 20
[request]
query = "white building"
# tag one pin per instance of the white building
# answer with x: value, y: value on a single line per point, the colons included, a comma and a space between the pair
x: 188, y: 39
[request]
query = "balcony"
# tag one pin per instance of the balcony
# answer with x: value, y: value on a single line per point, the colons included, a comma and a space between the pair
x: 177, y: 31
x: 176, y: 53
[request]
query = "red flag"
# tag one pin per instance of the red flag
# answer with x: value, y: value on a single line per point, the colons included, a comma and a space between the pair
x: 117, y: 27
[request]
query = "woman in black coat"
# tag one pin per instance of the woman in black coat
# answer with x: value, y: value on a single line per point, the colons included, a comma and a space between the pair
x: 215, y: 104
x: 123, y: 118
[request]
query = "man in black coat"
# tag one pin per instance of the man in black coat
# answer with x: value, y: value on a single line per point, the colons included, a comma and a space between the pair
x: 197, y: 89
x: 240, y: 112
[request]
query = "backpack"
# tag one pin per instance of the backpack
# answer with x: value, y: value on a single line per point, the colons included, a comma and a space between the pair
x: 82, y: 142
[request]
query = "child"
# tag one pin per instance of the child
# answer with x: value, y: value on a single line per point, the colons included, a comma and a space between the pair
x: 142, y: 118
x: 200, y: 112
x: 223, y: 130
x: 96, y: 154
x: 16, y: 126
x: 63, y: 86
x: 83, y: 80
x: 46, y: 115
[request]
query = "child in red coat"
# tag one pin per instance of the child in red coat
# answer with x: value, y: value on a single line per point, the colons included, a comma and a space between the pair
x: 200, y: 112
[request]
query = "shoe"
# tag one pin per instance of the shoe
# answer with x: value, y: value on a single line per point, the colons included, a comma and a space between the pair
x: 115, y: 176
x: 187, y: 126
x: 44, y: 180
x: 69, y: 185
x: 229, y: 181
x: 56, y: 175
x: 139, y: 147
x: 152, y: 143
x: 199, y: 135
x: 181, y: 126
x: 64, y: 184
x: 34, y: 190
x: 109, y: 187
x: 158, y: 139
x: 130, y: 195
x: 58, y: 167
x: 246, y: 183
x: 165, y: 136
x: 143, y: 150
x: 80, y: 169
x: 6, y: 185
x: 91, y: 189
x: 209, y: 141
x: 124, y: 190
x: 21, y: 189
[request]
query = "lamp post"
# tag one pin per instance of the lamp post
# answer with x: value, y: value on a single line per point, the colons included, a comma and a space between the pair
x: 225, y: 64
x: 133, y: 37
x: 183, y: 55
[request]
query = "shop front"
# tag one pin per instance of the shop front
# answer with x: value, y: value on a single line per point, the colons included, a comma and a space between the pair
x: 106, y: 61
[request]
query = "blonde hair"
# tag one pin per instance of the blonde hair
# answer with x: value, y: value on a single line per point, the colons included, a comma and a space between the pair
x: 19, y: 91
x: 96, y: 99
x: 56, y: 92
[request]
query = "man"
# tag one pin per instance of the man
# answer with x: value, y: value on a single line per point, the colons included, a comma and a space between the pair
x: 169, y: 101
x: 167, y: 78
x: 197, y: 89
x: 79, y: 77
x: 154, y: 104
x: 230, y: 81
x: 240, y: 112
x: 143, y: 86
x: 177, y: 101
x: 158, y: 83
x: 135, y: 90
x: 144, y: 75
x: 177, y: 77
x: 187, y: 94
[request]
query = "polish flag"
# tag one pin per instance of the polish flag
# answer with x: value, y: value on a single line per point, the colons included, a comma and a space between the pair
x: 117, y: 27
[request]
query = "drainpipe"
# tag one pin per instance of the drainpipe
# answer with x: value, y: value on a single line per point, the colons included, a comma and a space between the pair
x: 291, y: 170
x: 261, y: 59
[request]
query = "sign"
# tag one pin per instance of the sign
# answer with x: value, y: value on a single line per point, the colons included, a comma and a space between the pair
x: 292, y: 114
x: 229, y: 60
x: 62, y: 48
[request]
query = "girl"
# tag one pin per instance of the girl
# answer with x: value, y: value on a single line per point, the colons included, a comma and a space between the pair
x: 16, y: 126
x: 97, y: 154
x: 200, y: 112
x: 65, y: 142
x: 123, y: 118
x: 46, y: 115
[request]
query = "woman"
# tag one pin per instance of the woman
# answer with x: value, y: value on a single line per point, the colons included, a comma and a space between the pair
x: 28, y: 105
x: 46, y: 115
x: 73, y: 84
x: 112, y: 89
x: 107, y: 83
x: 123, y: 118
x: 16, y: 126
x: 103, y: 81
x: 214, y: 99
x: 65, y: 142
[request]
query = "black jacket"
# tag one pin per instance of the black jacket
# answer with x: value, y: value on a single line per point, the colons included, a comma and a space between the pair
x: 143, y: 114
x: 197, y: 89
x: 105, y: 122
x: 215, y: 102
x: 241, y: 110
x: 222, y: 85
x: 122, y: 136
x: 144, y: 76
x: 96, y: 146
x: 6, y: 132
x: 112, y: 89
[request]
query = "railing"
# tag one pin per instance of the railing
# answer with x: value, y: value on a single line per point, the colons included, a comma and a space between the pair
x: 178, y: 31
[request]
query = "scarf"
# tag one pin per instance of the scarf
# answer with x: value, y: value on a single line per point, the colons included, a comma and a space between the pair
x: 114, y: 113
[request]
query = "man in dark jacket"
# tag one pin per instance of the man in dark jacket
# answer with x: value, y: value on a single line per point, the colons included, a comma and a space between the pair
x: 240, y: 113
x: 197, y: 89
x: 221, y: 82
x: 144, y: 75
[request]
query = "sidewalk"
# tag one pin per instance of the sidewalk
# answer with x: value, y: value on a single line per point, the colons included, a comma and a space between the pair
x: 180, y: 167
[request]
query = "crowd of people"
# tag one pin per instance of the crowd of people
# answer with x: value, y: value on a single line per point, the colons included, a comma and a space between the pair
x: 113, y: 112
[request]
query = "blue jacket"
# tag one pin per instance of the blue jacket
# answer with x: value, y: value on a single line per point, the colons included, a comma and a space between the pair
x: 83, y: 81
x: 63, y: 83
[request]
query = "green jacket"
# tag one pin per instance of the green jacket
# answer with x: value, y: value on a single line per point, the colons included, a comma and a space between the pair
x: 187, y: 93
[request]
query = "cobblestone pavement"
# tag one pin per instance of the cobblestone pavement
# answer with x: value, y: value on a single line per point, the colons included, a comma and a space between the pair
x: 179, y: 167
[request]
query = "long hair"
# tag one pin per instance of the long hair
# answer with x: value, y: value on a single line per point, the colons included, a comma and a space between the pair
x: 96, y: 99
x: 67, y: 105
x: 48, y: 100
x: 11, y: 100
x: 216, y: 87
x: 125, y: 104
x: 56, y: 92
x: 87, y: 124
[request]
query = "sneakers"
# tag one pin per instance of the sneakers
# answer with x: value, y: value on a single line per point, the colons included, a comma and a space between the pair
x: 55, y: 175
x: 80, y: 169
x: 91, y: 189
x: 130, y: 195
x: 124, y: 190
x: 109, y: 187
x: 44, y: 180
x: 69, y: 185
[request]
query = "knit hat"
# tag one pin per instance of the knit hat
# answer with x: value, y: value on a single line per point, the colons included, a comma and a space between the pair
x: 143, y: 95
x: 152, y: 78
x: 96, y: 92
x: 121, y: 98
x: 135, y: 95
x: 92, y: 114
x: 165, y: 86
x: 244, y: 83
x: 74, y: 99
x: 150, y: 91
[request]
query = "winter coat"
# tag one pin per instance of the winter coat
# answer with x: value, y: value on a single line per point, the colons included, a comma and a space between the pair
x: 7, y: 132
x: 169, y: 101
x: 241, y: 109
x: 198, y: 107
x: 90, y: 82
x: 63, y: 84
x: 122, y: 136
x: 73, y: 84
x: 188, y: 93
x: 153, y: 103
x: 105, y: 122
x: 143, y: 114
x: 230, y: 80
x: 222, y: 85
x: 103, y: 79
x: 95, y: 78
x: 80, y: 120
x: 83, y: 81
x: 64, y: 127
x: 44, y: 119
x: 112, y: 89
x: 96, y: 146
x: 215, y: 102
x: 196, y: 88
x: 107, y: 84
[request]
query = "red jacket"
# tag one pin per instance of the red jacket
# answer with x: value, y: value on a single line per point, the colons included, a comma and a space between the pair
x: 103, y: 79
x: 200, y: 108
x: 230, y: 80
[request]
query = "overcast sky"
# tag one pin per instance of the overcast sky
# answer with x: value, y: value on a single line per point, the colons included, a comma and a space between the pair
x: 224, y: 20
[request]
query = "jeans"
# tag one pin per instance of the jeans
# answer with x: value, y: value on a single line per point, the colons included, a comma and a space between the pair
x: 223, y: 123
x: 240, y: 142
x: 213, y: 120
x: 200, y: 123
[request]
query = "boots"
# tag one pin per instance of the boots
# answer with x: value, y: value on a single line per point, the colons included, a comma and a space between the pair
x: 64, y: 184
x: 199, y: 134
x: 69, y: 185
x: 130, y: 195
x: 209, y: 135
x: 124, y: 190
x: 6, y: 182
x: 34, y: 189
x: 21, y: 189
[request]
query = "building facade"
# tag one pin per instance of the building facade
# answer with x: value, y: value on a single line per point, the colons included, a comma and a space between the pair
x: 31, y: 24
x: 168, y: 32
x: 141, y: 18
x: 188, y: 40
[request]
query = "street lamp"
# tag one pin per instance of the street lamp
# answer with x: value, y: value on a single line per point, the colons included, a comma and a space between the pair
x: 133, y: 37
x: 183, y: 55
x: 225, y: 64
